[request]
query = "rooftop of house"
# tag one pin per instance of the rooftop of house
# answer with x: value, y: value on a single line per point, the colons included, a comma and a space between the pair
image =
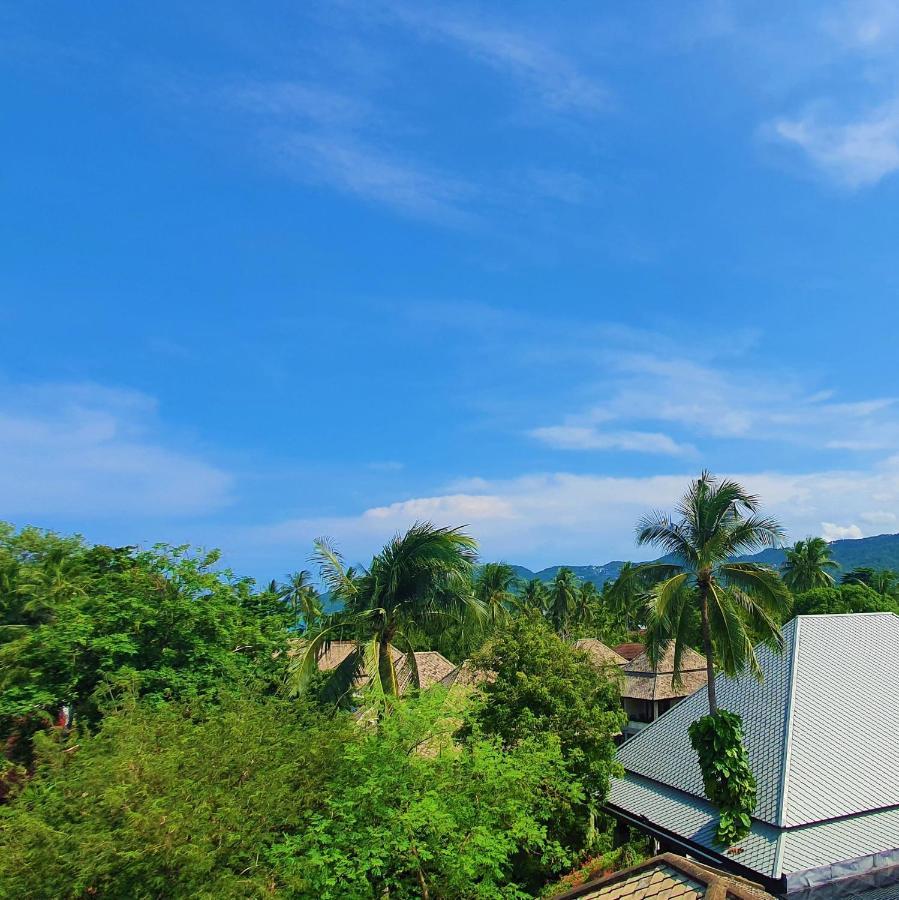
x: 820, y: 731
x: 629, y: 650
x: 645, y: 682
x: 432, y: 666
x: 601, y: 655
x: 668, y: 877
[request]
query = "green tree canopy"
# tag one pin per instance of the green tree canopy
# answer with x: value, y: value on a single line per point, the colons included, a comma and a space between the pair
x: 543, y: 686
x: 82, y: 624
x: 263, y: 797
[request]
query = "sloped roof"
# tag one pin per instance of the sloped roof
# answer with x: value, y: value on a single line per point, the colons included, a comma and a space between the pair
x: 821, y: 735
x: 466, y: 674
x: 629, y: 650
x: 668, y: 877
x: 600, y: 654
x: 432, y: 666
x: 643, y: 682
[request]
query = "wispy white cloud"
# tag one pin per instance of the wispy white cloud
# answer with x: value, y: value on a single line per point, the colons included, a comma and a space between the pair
x: 563, y: 517
x: 554, y: 77
x: 361, y: 169
x: 92, y: 452
x: 318, y: 135
x: 644, y: 396
x: 853, y: 153
x: 581, y: 437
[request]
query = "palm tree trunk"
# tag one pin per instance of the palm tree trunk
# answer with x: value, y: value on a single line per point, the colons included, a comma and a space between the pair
x: 386, y: 668
x: 707, y: 647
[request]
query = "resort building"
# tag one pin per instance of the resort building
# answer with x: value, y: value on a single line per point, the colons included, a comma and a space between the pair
x: 648, y: 691
x: 822, y: 735
x: 603, y: 657
x: 432, y: 666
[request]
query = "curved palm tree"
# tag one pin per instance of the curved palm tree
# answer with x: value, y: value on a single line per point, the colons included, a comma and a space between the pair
x: 418, y: 576
x: 563, y: 596
x: 715, y: 521
x: 806, y: 565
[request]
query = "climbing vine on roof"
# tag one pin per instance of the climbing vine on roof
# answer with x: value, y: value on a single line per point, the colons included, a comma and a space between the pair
x: 726, y: 774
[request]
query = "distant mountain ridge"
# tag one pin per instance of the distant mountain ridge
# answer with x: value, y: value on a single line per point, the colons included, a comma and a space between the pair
x: 878, y: 552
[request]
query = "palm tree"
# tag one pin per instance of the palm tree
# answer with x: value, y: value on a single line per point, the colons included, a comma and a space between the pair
x: 494, y: 587
x: 586, y: 605
x: 302, y: 597
x: 716, y: 520
x: 418, y: 576
x: 534, y: 596
x: 628, y: 594
x: 563, y: 595
x: 806, y: 565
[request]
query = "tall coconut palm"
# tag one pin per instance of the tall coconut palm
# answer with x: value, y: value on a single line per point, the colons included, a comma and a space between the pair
x: 715, y: 521
x: 418, y: 576
x: 494, y: 587
x: 586, y: 605
x: 563, y: 596
x: 807, y: 564
x: 302, y: 597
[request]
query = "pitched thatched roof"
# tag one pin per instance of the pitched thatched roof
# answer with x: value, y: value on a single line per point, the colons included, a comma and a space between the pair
x: 467, y: 675
x: 629, y: 650
x: 432, y: 666
x: 643, y: 682
x: 337, y: 651
x: 601, y: 655
x: 666, y: 877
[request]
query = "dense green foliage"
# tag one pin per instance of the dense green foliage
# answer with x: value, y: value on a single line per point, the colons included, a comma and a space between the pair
x: 167, y: 801
x: 844, y: 598
x: 726, y: 776
x: 81, y: 625
x: 541, y: 685
x: 265, y: 796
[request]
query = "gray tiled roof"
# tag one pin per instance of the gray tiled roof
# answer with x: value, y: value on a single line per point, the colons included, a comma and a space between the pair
x: 822, y: 734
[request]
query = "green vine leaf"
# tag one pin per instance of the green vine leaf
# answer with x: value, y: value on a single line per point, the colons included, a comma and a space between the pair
x: 726, y: 774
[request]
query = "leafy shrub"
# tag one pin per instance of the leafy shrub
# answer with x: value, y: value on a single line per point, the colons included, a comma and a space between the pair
x: 543, y: 686
x: 259, y: 797
x: 82, y: 625
x: 726, y: 775
x: 167, y: 801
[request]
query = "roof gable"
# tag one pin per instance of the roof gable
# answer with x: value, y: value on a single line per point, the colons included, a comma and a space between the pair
x: 820, y: 731
x: 601, y: 654
x: 662, y: 751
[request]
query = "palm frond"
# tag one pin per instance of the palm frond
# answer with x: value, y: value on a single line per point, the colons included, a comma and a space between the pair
x: 730, y: 638
x: 334, y: 574
x: 304, y: 661
x: 760, y: 583
x: 660, y: 530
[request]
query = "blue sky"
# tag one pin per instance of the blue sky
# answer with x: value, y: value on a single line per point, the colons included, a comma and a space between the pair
x: 328, y: 268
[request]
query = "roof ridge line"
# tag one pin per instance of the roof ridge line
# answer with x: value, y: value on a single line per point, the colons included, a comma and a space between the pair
x: 788, y: 735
